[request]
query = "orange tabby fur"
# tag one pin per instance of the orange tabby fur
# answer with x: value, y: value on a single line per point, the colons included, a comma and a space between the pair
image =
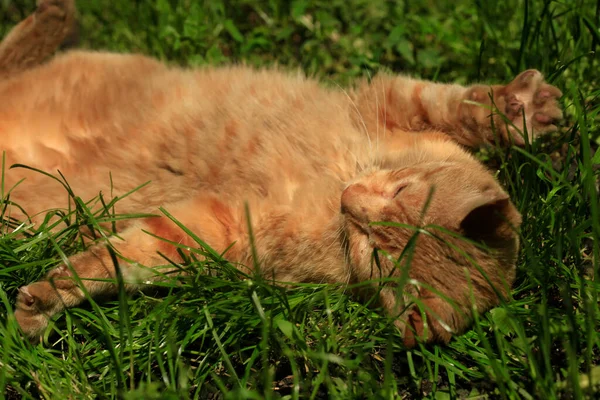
x: 316, y: 167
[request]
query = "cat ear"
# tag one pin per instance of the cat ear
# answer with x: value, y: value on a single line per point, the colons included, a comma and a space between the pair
x: 489, y: 213
x: 487, y: 197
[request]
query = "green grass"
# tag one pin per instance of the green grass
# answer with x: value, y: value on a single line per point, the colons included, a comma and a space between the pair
x: 240, y: 336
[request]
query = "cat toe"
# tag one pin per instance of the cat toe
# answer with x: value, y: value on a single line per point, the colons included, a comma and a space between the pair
x: 38, y: 296
x: 30, y: 306
x: 546, y: 93
x: 24, y: 299
x: 37, y: 302
x: 32, y: 323
x: 514, y: 106
x: 545, y: 110
x: 61, y: 277
x: 545, y: 118
x: 526, y: 80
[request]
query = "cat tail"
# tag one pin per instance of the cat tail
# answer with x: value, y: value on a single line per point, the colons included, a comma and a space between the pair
x: 38, y: 36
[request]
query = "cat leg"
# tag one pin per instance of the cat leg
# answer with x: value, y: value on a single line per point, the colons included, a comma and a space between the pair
x: 35, y: 38
x: 138, y: 255
x: 95, y: 268
x: 393, y: 105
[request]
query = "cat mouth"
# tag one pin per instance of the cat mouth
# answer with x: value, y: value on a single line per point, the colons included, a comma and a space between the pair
x: 357, y: 226
x: 358, y: 239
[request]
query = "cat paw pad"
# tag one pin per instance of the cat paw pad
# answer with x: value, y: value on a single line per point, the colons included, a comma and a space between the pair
x: 531, y: 105
x: 514, y: 107
x: 24, y: 299
x: 37, y: 296
x: 527, y: 104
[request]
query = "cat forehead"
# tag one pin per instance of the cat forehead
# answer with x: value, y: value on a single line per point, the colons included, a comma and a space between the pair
x: 445, y: 181
x: 443, y: 172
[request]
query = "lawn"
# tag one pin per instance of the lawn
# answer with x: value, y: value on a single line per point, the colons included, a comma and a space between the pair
x: 222, y: 335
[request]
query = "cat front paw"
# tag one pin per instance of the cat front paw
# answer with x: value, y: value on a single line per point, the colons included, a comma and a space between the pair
x: 32, y: 308
x: 528, y: 102
x: 531, y: 104
x: 39, y: 301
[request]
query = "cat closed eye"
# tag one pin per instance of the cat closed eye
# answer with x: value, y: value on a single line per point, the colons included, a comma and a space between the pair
x: 399, y: 189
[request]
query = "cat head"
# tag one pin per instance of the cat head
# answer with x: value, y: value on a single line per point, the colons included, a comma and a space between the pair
x: 452, y: 200
x: 447, y: 194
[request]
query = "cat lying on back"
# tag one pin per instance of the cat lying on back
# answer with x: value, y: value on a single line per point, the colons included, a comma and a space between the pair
x: 316, y: 167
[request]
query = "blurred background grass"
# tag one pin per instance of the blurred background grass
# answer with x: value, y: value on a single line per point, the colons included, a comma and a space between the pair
x: 446, y: 40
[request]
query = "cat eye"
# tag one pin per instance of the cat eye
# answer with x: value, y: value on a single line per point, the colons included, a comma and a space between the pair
x: 399, y: 189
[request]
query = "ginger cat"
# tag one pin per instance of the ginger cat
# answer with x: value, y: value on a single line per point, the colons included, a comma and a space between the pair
x: 316, y: 167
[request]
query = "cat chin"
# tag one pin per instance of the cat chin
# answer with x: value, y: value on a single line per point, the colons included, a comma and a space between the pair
x: 359, y: 243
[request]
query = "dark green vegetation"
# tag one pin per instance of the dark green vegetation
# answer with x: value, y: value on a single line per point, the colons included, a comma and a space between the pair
x: 246, y: 339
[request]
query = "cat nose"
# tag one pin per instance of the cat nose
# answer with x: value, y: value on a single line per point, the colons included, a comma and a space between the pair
x: 357, y: 200
x: 351, y: 199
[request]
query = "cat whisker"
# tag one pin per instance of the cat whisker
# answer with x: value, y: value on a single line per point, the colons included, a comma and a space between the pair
x: 358, y: 113
x: 377, y: 117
